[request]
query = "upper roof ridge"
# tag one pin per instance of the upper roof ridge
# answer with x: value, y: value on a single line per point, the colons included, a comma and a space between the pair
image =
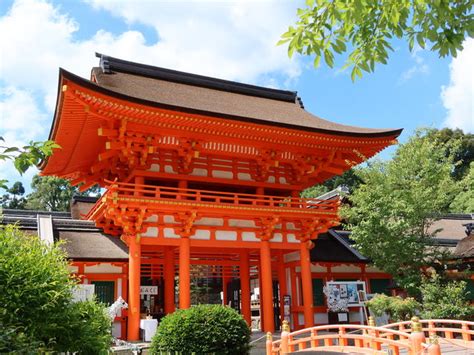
x: 110, y: 64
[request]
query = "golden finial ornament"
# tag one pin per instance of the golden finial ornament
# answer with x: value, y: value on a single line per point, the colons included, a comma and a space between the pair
x: 269, y: 336
x: 415, y: 324
x: 286, y: 326
x: 371, y: 321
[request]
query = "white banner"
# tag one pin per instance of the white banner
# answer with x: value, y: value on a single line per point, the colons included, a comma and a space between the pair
x: 148, y: 290
x: 83, y: 292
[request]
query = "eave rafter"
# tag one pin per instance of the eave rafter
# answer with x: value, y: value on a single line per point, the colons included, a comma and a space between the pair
x: 134, y: 133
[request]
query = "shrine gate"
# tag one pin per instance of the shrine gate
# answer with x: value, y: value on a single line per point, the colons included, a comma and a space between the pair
x: 203, y: 171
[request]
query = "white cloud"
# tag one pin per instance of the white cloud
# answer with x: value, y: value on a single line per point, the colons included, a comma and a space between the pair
x: 232, y: 40
x: 458, y: 96
x: 420, y: 67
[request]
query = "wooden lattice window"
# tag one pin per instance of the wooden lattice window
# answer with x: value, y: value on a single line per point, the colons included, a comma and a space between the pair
x: 104, y: 291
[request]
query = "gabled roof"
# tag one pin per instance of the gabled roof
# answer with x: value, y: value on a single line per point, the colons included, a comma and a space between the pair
x: 335, y: 246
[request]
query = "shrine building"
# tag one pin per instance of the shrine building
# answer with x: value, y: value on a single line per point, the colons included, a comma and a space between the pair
x: 202, y: 179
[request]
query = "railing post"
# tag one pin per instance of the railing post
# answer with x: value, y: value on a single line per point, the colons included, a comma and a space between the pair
x: 465, y: 332
x: 285, y: 331
x: 269, y: 343
x: 374, y: 334
x: 434, y: 348
x: 417, y: 337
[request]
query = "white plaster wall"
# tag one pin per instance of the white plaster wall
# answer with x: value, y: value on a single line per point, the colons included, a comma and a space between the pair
x: 73, y: 269
x: 372, y: 269
x: 154, y: 167
x: 291, y: 238
x: 244, y: 177
x: 199, y: 172
x: 169, y: 169
x: 151, y: 232
x: 206, y: 221
x: 345, y: 268
x: 152, y: 219
x: 202, y: 234
x: 249, y: 237
x: 318, y: 268
x: 169, y: 233
x: 103, y: 268
x: 277, y: 238
x: 226, y: 235
x: 222, y: 174
x: 241, y: 223
x: 169, y: 219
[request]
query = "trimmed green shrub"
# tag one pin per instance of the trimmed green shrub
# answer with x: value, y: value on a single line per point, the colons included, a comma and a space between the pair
x: 445, y: 299
x: 202, y: 329
x: 398, y: 309
x: 36, y: 310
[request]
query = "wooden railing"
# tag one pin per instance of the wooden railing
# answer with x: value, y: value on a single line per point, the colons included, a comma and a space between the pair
x: 456, y: 332
x: 414, y: 338
x: 219, y: 197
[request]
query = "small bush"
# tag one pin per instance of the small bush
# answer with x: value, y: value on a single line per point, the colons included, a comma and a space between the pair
x: 399, y: 309
x: 445, y: 299
x: 203, y: 329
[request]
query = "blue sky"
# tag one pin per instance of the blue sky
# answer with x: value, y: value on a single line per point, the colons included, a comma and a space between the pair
x: 234, y: 40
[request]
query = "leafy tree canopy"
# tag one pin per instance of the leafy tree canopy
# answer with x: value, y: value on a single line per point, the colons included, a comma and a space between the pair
x: 54, y: 194
x: 365, y: 28
x: 464, y: 201
x: 27, y: 156
x: 14, y: 197
x: 397, y: 202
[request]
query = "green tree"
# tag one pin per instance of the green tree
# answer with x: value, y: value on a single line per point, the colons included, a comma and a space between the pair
x: 14, y: 197
x: 444, y: 299
x: 397, y: 202
x: 350, y: 179
x: 36, y: 310
x: 464, y: 154
x: 27, y: 156
x: 366, y: 28
x: 464, y: 200
x: 53, y: 194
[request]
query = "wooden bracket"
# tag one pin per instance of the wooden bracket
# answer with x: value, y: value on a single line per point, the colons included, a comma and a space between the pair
x: 187, y: 223
x: 267, y: 226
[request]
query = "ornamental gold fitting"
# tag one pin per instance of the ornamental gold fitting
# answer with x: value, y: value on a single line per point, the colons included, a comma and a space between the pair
x: 371, y: 322
x: 269, y: 336
x: 285, y: 327
x: 415, y: 324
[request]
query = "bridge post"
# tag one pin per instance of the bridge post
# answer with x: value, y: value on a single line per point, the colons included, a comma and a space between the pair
x: 269, y: 344
x: 417, y: 337
x: 285, y: 331
x: 434, y: 348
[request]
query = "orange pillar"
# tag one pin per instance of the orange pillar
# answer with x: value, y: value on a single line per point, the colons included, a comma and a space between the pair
x: 245, y: 287
x: 169, y: 280
x: 134, y: 256
x: 184, y: 271
x: 307, y: 285
x: 267, y: 289
x: 282, y: 284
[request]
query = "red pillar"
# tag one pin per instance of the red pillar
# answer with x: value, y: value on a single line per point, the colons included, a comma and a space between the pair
x: 134, y: 256
x: 184, y: 271
x: 245, y: 287
x: 307, y: 285
x: 169, y: 280
x: 267, y: 289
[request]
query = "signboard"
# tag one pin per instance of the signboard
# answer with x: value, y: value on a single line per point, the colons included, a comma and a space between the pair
x: 287, y: 308
x: 345, y: 292
x: 83, y: 292
x: 148, y: 290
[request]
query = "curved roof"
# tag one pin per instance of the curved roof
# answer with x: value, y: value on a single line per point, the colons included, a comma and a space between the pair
x: 215, y: 97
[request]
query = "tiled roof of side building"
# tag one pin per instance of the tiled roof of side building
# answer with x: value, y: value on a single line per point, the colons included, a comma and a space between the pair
x: 199, y: 94
x: 82, y: 239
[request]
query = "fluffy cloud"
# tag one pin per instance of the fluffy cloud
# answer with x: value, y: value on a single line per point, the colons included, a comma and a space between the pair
x: 234, y: 40
x: 458, y: 96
